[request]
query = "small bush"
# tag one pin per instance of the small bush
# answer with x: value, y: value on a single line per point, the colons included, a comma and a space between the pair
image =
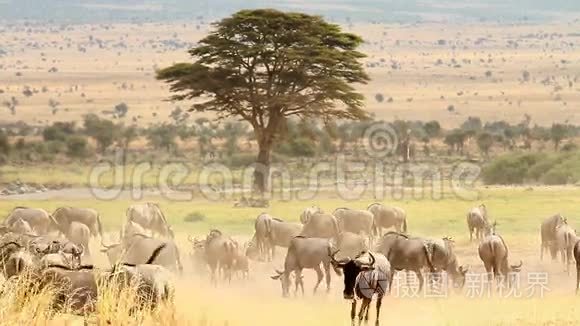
x: 241, y: 160
x: 194, y: 217
x: 76, y: 146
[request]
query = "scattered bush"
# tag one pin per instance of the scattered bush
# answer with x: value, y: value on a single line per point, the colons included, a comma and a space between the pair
x: 194, y: 217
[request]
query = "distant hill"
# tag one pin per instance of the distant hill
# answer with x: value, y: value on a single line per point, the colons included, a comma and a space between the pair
x: 404, y: 11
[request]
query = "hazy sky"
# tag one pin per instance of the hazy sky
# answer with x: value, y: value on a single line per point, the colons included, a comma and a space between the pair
x: 360, y: 10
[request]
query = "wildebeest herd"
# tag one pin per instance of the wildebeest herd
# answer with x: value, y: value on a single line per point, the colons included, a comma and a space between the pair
x: 53, y: 248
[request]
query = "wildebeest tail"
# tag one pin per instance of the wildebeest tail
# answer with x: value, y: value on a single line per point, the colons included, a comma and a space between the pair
x: 155, y: 253
x: 178, y: 260
x: 428, y: 257
x: 335, y: 226
x: 99, y: 225
x: 269, y: 235
x: 404, y: 228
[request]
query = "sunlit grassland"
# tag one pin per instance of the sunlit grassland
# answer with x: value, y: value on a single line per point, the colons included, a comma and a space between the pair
x: 517, y: 210
x: 258, y: 302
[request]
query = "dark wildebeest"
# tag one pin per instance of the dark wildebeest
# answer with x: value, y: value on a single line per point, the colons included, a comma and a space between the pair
x: 319, y: 225
x: 494, y: 254
x: 307, y: 253
x: 150, y: 217
x: 386, y: 217
x: 355, y: 221
x: 350, y: 244
x: 64, y: 216
x: 137, y: 248
x: 74, y: 288
x: 443, y: 258
x: 565, y: 240
x: 577, y: 259
x: 14, y: 259
x: 478, y: 222
x: 414, y: 254
x: 364, y: 278
x: 407, y: 253
x: 76, y: 232
x: 39, y: 220
x: 77, y: 287
x: 220, y: 254
x: 548, y: 234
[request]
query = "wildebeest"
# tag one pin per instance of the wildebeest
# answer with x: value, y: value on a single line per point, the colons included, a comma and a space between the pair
x: 576, y: 253
x: 150, y: 217
x: 79, y: 234
x: 307, y: 253
x: 565, y: 241
x: 355, y: 221
x: 478, y: 222
x: 363, y: 279
x: 14, y: 259
x: 320, y: 225
x: 153, y: 283
x: 74, y: 288
x: 351, y: 244
x: 130, y: 229
x: 20, y: 226
x: 197, y: 254
x: 39, y: 220
x: 407, y: 253
x: 65, y: 216
x: 443, y: 258
x: 137, y: 248
x: 220, y: 254
x: 261, y: 228
x: 548, y: 234
x: 280, y: 233
x: 241, y: 264
x: 494, y: 254
x: 386, y: 217
x: 308, y: 212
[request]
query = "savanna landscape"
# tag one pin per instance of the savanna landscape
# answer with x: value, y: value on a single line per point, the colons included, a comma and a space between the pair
x: 219, y: 113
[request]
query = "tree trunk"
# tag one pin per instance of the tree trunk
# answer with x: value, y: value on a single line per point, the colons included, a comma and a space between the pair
x: 262, y: 169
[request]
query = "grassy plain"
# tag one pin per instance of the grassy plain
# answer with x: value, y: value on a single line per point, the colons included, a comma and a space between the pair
x: 257, y: 301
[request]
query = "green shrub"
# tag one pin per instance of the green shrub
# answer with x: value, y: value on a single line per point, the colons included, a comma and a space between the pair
x: 553, y: 169
x: 76, y: 146
x: 241, y: 160
x: 509, y: 169
x: 194, y: 217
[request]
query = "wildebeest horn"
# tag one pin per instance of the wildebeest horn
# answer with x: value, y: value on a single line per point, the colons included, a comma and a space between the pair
x: 373, y: 260
x: 518, y: 266
x: 107, y: 246
x: 336, y: 262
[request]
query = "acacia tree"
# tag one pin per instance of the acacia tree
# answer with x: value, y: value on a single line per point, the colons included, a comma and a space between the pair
x: 265, y: 65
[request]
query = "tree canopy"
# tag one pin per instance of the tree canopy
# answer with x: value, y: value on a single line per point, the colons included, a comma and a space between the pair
x: 265, y: 65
